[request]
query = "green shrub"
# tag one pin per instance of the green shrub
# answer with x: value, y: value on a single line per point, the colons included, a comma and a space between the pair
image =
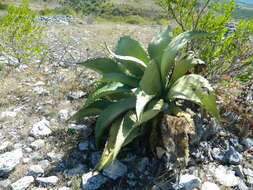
x: 134, y: 19
x: 46, y: 11
x: 137, y: 87
x: 211, y: 16
x: 20, y: 35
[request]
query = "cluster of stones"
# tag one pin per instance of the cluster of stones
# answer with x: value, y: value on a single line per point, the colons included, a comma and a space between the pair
x: 57, y: 19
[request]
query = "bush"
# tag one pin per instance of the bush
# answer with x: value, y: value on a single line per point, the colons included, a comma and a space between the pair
x: 138, y: 88
x: 216, y: 51
x: 20, y: 35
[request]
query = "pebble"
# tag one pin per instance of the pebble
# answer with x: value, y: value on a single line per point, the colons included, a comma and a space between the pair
x: 35, y: 170
x: 209, y: 186
x: 84, y: 145
x: 93, y: 180
x: 37, y: 144
x: 115, y: 170
x: 54, y: 156
x: 189, y: 182
x: 22, y: 183
x: 44, y: 164
x: 9, y: 160
x: 7, y: 114
x: 226, y: 177
x: 95, y: 156
x: 233, y: 156
x: 52, y: 180
x: 41, y: 128
x: 219, y: 155
x: 248, y: 143
x: 5, y: 145
x: 64, y: 114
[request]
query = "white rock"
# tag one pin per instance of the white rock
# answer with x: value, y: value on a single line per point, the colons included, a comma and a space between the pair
x: 4, y: 145
x: 41, y: 128
x: 22, y: 183
x: 55, y: 157
x: 7, y: 114
x: 225, y: 177
x: 115, y: 170
x: 9, y: 160
x: 64, y: 188
x: 64, y: 114
x: 189, y: 182
x: 52, y: 180
x: 40, y: 91
x: 38, y: 144
x: 209, y: 186
x: 92, y: 180
x: 35, y: 170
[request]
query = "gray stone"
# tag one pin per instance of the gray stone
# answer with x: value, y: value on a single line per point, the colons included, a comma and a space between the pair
x: 44, y: 164
x: 5, y: 183
x: 35, y: 170
x: 40, y: 91
x: 93, y: 180
x: 77, y: 127
x: 22, y: 183
x: 248, y: 171
x: 5, y: 145
x: 242, y: 186
x: 209, y: 186
x: 248, y: 142
x: 239, y: 171
x: 64, y: 114
x: 54, y: 156
x: 35, y: 156
x: 77, y: 95
x: 9, y: 160
x: 41, y: 128
x: 219, y: 155
x: 226, y: 177
x: 38, y: 144
x: 64, y: 188
x: 84, y: 145
x: 28, y: 150
x: 189, y: 182
x: 115, y: 170
x: 143, y: 164
x: 79, y: 169
x: 233, y: 156
x: 52, y: 180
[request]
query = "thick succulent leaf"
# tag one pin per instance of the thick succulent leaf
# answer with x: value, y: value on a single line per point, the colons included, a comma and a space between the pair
x: 172, y: 49
x: 142, y: 99
x: 101, y: 65
x: 93, y: 109
x: 107, y: 156
x: 151, y: 80
x: 129, y: 47
x: 129, y: 65
x: 197, y: 89
x: 118, y: 77
x: 111, y: 113
x: 182, y: 66
x: 159, y: 43
x: 114, y: 88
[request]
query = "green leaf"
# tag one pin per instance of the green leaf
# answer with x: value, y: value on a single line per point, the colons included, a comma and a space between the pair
x: 114, y: 88
x: 142, y: 99
x: 151, y: 80
x: 122, y: 133
x: 197, y: 89
x: 159, y: 43
x: 110, y: 114
x: 172, y: 49
x: 102, y: 65
x: 129, y: 47
x: 93, y: 109
x: 129, y: 65
x: 182, y: 66
x: 118, y: 77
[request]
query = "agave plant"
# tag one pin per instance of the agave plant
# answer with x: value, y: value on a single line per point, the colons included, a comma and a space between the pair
x: 138, y: 86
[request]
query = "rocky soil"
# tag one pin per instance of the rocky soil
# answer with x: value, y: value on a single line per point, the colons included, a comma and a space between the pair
x: 40, y: 150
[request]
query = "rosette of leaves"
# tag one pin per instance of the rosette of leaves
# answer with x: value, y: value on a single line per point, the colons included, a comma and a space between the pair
x: 138, y: 86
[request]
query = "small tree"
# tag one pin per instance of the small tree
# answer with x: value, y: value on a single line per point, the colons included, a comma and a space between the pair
x: 211, y: 16
x: 20, y: 34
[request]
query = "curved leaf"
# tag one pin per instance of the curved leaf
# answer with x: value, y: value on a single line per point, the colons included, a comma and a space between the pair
x: 129, y: 65
x: 159, y: 43
x: 110, y: 114
x: 118, y: 77
x: 151, y: 80
x: 142, y: 100
x: 108, y: 89
x: 129, y: 47
x: 101, y: 65
x: 93, y: 109
x: 197, y: 89
x: 182, y: 66
x: 172, y: 49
